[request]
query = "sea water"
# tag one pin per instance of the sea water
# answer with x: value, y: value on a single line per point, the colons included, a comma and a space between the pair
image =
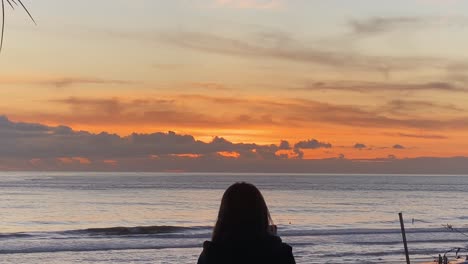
x: 164, y: 218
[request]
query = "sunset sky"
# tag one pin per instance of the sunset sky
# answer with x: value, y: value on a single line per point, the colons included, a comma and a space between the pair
x: 329, y: 80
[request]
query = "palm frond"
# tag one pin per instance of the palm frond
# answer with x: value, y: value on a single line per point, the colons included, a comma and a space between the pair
x: 12, y: 4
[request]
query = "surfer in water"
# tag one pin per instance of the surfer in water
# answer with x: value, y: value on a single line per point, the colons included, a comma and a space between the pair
x: 244, y: 232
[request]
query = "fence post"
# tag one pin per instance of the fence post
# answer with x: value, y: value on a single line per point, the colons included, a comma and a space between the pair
x: 403, y: 233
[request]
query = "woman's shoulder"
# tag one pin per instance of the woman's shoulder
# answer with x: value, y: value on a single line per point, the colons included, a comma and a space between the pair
x: 268, y: 250
x: 278, y: 243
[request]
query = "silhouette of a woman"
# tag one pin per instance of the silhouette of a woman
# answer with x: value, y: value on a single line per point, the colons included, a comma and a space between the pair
x: 243, y: 232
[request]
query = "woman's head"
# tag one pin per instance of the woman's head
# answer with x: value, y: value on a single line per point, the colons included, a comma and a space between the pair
x: 243, y: 213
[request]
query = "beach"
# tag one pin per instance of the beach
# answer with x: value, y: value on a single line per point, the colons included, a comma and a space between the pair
x: 165, y: 217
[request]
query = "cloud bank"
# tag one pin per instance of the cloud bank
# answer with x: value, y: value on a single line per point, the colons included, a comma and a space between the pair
x: 30, y: 146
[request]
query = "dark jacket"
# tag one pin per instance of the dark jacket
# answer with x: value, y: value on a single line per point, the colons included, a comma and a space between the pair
x: 269, y: 250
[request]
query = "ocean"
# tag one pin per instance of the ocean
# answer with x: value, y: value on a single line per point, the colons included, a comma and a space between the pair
x: 164, y: 218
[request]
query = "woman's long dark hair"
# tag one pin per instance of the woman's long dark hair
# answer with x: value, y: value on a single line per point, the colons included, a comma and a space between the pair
x: 243, y: 214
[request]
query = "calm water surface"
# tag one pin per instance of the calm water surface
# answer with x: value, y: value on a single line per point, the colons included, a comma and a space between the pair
x: 164, y: 218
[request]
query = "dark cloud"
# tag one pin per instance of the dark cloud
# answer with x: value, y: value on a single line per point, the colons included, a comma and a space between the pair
x: 30, y: 141
x: 398, y: 146
x: 377, y: 25
x: 284, y: 145
x: 423, y: 136
x: 376, y: 87
x: 400, y: 106
x: 225, y: 45
x: 179, y: 111
x: 308, y: 144
x: 66, y: 82
x: 106, y: 106
x: 380, y: 25
x: 299, y: 153
x: 144, y: 111
x: 359, y: 146
x: 297, y: 112
x: 290, y: 50
x: 312, y: 144
x: 111, y: 103
x: 63, y: 82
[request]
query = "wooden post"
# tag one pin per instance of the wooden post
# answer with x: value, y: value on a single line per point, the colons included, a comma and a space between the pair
x: 403, y: 233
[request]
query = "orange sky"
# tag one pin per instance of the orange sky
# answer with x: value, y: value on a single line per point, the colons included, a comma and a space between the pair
x: 248, y: 71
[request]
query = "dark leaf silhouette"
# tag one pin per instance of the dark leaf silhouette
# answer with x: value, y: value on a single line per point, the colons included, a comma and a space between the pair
x: 12, y: 4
